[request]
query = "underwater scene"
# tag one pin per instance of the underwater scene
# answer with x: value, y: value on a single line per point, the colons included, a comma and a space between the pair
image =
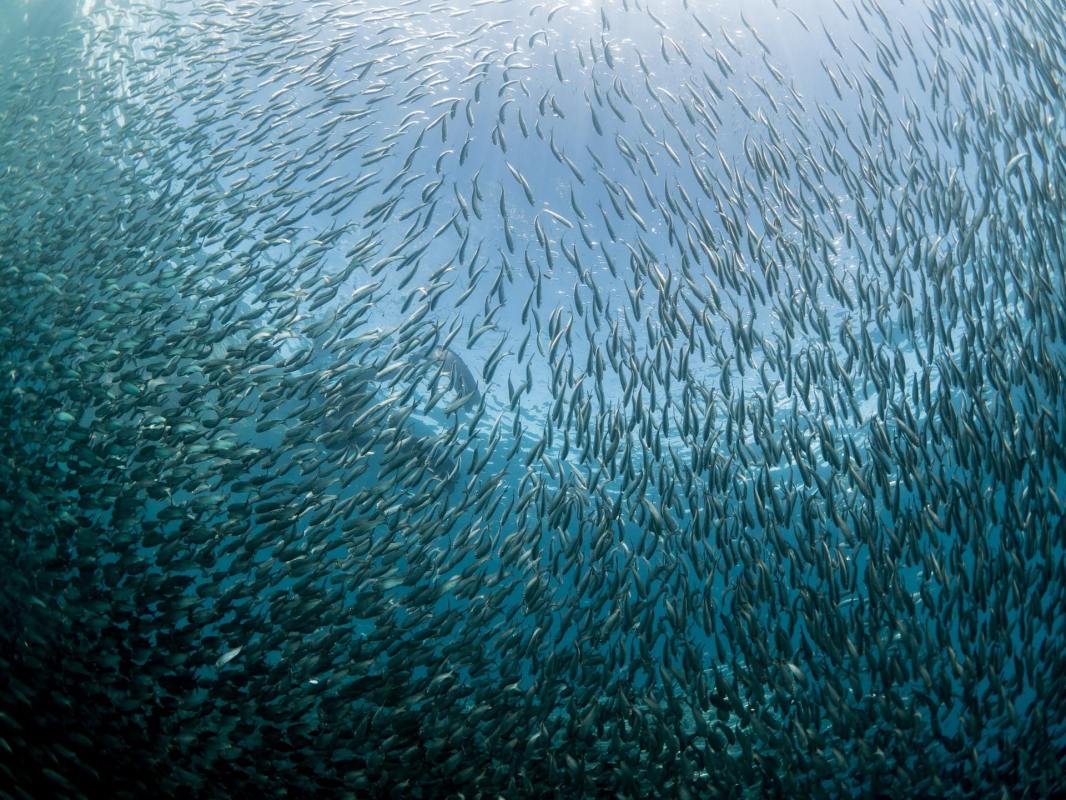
x: 511, y: 399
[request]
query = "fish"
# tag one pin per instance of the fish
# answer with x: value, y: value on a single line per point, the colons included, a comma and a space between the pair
x: 748, y: 482
x: 462, y: 380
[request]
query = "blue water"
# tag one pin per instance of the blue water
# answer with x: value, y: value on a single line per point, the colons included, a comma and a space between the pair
x: 760, y: 491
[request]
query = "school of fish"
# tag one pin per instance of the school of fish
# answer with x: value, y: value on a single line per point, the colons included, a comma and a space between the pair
x: 624, y: 398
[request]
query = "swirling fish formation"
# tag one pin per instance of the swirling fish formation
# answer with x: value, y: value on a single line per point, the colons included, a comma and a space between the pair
x: 631, y: 398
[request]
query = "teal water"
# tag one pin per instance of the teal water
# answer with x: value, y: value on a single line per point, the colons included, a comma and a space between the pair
x: 512, y: 399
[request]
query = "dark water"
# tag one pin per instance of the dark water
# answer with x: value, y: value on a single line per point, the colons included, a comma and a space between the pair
x: 513, y: 399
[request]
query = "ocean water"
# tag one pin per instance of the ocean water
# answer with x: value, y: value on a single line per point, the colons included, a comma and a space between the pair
x: 512, y: 399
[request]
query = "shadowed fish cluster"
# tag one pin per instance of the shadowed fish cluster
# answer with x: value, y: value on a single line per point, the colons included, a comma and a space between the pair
x: 496, y: 399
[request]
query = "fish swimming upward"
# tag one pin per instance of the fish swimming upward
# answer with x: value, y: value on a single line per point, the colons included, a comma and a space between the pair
x: 486, y: 398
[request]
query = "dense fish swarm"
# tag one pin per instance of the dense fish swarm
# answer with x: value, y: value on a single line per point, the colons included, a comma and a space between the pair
x: 632, y: 398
